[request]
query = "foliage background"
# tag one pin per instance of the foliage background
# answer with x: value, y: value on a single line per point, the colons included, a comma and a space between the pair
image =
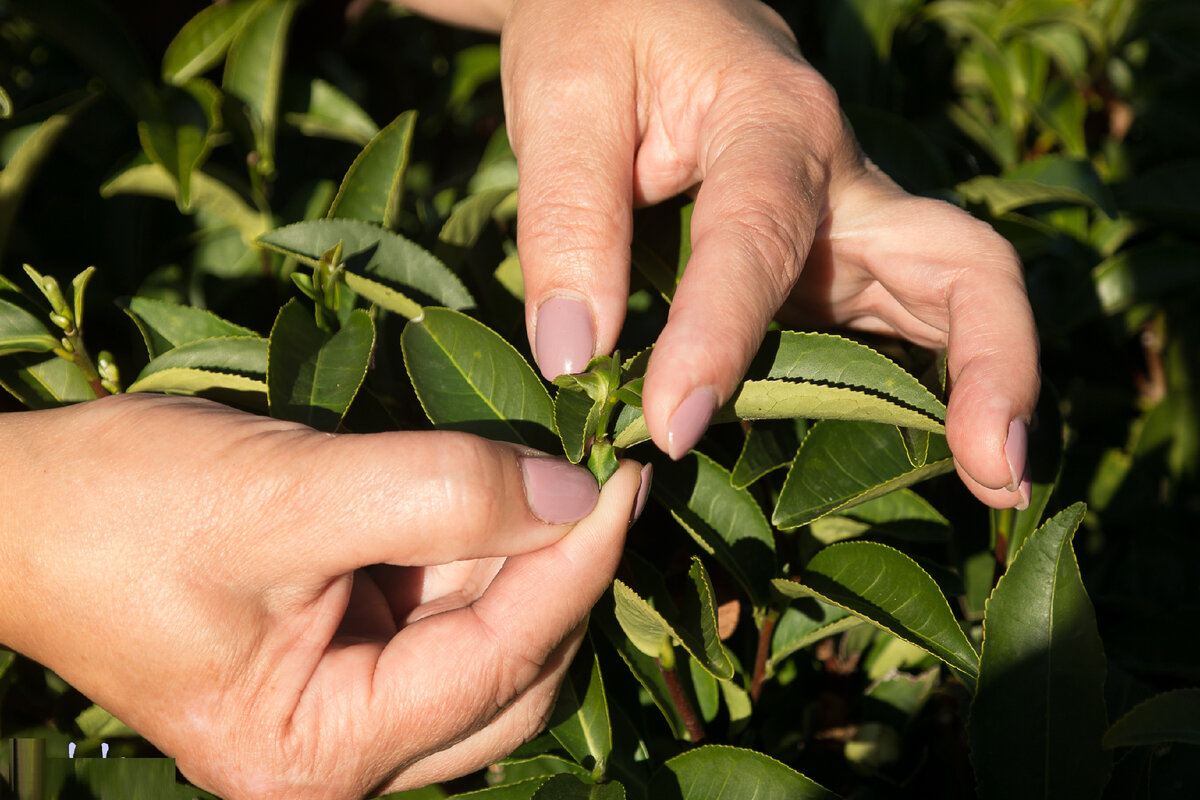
x: 1071, y: 126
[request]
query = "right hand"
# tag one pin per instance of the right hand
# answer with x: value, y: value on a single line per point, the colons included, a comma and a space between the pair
x: 293, y: 614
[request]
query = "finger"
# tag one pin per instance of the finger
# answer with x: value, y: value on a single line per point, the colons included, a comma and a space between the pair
x: 756, y: 212
x: 451, y: 674
x: 416, y: 499
x: 572, y: 125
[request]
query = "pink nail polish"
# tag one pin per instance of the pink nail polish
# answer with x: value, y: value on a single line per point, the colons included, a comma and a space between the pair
x: 643, y: 494
x: 564, y: 341
x: 689, y: 422
x: 1016, y: 448
x: 558, y: 492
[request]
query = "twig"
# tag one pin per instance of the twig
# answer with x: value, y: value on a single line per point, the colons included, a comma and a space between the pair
x: 683, y: 706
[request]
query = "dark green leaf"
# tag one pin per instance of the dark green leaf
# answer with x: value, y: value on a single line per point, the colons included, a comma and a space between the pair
x: 178, y: 135
x: 1165, y: 193
x: 580, y: 718
x: 718, y: 772
x: 842, y: 463
x: 312, y: 375
x: 238, y: 363
x: 1144, y: 273
x: 254, y: 71
x: 324, y: 110
x: 768, y: 446
x: 469, y: 378
x: 201, y: 43
x: 470, y: 216
x: 568, y: 787
x: 1002, y: 195
x: 21, y: 331
x: 166, y: 325
x: 374, y: 185
x: 806, y: 622
x: 1172, y: 716
x: 902, y: 514
x: 891, y: 591
x: 723, y: 519
x: 1038, y: 716
x: 522, y: 790
x: 1071, y: 174
x: 381, y: 266
x: 577, y: 406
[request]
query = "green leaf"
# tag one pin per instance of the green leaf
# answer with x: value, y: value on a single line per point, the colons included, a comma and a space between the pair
x: 1145, y: 273
x: 44, y: 382
x: 723, y: 519
x: 207, y: 193
x: 768, y: 447
x: 522, y: 790
x: 819, y: 376
x: 254, y: 71
x: 1075, y: 174
x: 237, y: 363
x: 577, y: 406
x: 324, y: 110
x: 178, y: 135
x: 804, y: 623
x: 201, y: 43
x: 1002, y: 195
x: 374, y: 185
x: 312, y: 375
x: 888, y: 589
x: 1172, y: 716
x: 96, y: 723
x: 166, y: 325
x: 568, y: 787
x: 21, y: 331
x: 381, y: 266
x: 471, y: 215
x: 695, y: 629
x: 843, y: 463
x: 469, y: 378
x: 719, y: 772
x: 580, y: 720
x: 902, y: 514
x: 1038, y: 716
x: 1165, y: 193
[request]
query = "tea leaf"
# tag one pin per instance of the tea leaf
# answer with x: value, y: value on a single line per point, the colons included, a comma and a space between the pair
x: 1039, y: 715
x: 328, y: 112
x: 166, y: 325
x: 577, y: 411
x: 254, y: 71
x: 201, y: 43
x: 763, y: 452
x: 21, y: 331
x: 313, y: 375
x: 238, y: 363
x: 469, y: 378
x: 1002, y: 195
x: 580, y: 718
x: 891, y: 591
x: 471, y: 215
x: 382, y: 266
x: 902, y: 514
x: 40, y: 382
x: 374, y: 185
x: 1145, y: 272
x: 723, y: 519
x: 1172, y: 716
x: 96, y: 723
x: 805, y: 623
x: 521, y: 790
x: 719, y: 772
x: 568, y: 787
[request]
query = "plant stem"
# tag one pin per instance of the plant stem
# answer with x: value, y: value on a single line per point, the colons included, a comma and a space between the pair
x: 765, y: 631
x: 80, y: 358
x: 691, y: 720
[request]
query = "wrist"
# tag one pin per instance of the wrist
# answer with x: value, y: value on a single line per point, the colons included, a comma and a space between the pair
x: 482, y: 15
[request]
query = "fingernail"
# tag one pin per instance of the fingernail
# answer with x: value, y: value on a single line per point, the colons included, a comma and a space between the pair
x: 643, y: 494
x: 1025, y: 492
x: 1016, y: 448
x: 689, y: 422
x: 558, y: 492
x: 564, y: 341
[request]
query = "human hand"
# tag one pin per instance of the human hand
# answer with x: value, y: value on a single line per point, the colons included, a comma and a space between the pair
x: 633, y: 101
x: 293, y: 614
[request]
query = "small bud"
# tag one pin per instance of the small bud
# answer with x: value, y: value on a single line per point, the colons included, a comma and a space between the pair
x: 67, y: 344
x: 107, y: 367
x: 61, y: 321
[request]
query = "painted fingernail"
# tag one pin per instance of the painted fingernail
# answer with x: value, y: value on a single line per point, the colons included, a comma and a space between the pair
x: 558, y: 492
x: 1024, y: 491
x: 643, y: 494
x: 1016, y: 449
x: 689, y: 422
x: 564, y: 341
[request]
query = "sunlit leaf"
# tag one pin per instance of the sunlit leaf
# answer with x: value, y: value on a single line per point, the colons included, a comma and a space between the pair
x: 237, y: 363
x: 1172, y: 716
x: 718, y: 772
x: 202, y: 42
x: 43, y: 381
x: 471, y: 215
x: 254, y: 71
x: 568, y: 787
x: 97, y: 723
x: 902, y: 514
x: 580, y: 720
x: 843, y: 463
x: 891, y: 591
x: 313, y: 375
x: 381, y: 266
x: 469, y: 378
x: 577, y: 412
x: 322, y: 109
x: 21, y: 331
x: 374, y: 185
x: 166, y: 325
x: 1038, y: 715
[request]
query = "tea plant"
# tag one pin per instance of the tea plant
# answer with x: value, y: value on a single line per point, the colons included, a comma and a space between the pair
x: 804, y: 611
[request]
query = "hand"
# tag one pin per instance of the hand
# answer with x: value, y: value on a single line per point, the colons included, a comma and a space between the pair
x: 292, y: 614
x: 633, y: 101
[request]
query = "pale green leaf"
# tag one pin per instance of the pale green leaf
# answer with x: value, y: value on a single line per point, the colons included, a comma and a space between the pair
x: 237, y: 363
x: 254, y: 71
x: 471, y: 215
x: 1002, y: 195
x: 381, y: 266
x: 719, y: 772
x: 374, y: 185
x: 201, y: 43
x: 21, y: 331
x: 166, y: 325
x: 885, y: 587
x: 469, y: 378
x: 1038, y: 716
x: 326, y: 111
x: 312, y: 375
x: 1168, y: 717
x: 44, y: 382
x: 902, y: 514
x: 96, y: 723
